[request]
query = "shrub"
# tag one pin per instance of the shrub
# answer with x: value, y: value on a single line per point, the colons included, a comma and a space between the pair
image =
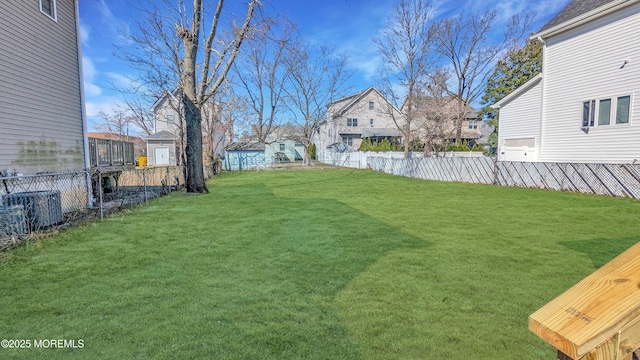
x: 366, y: 145
x: 312, y: 151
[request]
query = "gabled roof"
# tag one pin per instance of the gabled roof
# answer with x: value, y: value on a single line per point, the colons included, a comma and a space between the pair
x: 355, y: 98
x: 245, y: 146
x: 162, y: 135
x: 174, y: 94
x: 578, y: 12
x: 519, y: 91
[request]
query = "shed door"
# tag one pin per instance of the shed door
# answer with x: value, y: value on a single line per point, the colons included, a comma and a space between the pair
x: 161, y: 155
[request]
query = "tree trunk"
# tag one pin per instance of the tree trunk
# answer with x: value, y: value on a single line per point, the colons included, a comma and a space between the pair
x: 406, y: 142
x: 306, y: 159
x: 195, y: 171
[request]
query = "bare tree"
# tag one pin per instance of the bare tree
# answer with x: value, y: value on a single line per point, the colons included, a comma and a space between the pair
x: 404, y: 47
x: 117, y: 122
x: 140, y: 115
x: 262, y: 72
x: 317, y: 77
x: 172, y: 46
x: 234, y: 111
x: 466, y: 44
x: 434, y: 111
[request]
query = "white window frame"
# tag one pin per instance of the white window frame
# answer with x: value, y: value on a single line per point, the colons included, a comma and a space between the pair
x: 170, y: 118
x: 54, y: 10
x: 594, y: 111
x: 353, y: 122
x: 473, y: 124
x: 371, y: 122
x: 371, y: 105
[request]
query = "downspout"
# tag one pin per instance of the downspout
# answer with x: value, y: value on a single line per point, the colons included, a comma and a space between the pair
x: 85, y: 137
x: 542, y: 107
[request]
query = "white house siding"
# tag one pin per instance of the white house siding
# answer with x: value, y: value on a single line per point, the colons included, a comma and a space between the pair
x: 520, y: 125
x: 40, y: 94
x: 586, y: 63
x: 160, y: 111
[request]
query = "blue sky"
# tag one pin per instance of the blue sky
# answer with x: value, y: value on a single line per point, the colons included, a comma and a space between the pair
x: 348, y: 25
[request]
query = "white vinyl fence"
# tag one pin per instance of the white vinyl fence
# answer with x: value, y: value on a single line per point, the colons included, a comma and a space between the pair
x: 621, y: 180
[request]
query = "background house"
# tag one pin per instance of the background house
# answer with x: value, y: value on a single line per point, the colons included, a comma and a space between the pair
x: 582, y: 108
x: 41, y: 96
x: 435, y: 120
x: 352, y: 118
x: 244, y: 156
x: 283, y: 144
x: 168, y: 118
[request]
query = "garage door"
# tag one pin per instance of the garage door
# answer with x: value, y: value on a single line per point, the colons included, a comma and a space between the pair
x: 519, y: 150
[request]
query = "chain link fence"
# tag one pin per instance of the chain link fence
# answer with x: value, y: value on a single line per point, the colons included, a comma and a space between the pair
x: 33, y: 204
x: 621, y: 180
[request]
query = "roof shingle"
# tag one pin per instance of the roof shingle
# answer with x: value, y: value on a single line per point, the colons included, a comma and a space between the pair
x: 574, y: 9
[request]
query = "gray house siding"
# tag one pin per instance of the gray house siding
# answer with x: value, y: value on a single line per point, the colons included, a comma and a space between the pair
x: 40, y: 89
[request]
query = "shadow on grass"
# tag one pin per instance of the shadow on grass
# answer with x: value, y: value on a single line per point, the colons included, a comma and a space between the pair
x: 236, y: 274
x: 601, y: 251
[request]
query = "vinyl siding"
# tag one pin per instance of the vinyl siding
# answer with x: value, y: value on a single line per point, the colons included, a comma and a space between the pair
x: 586, y: 63
x: 40, y: 99
x: 380, y: 115
x: 520, y: 118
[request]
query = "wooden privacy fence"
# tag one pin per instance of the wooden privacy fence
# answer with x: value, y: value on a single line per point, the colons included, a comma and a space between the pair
x: 621, y: 180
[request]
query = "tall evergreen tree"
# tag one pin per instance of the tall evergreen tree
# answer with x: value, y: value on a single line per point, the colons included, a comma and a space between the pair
x: 512, y: 72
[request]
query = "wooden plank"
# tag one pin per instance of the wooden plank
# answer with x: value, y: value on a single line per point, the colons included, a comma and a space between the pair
x: 585, y: 319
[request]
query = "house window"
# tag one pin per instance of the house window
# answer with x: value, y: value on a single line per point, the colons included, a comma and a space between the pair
x: 169, y: 118
x: 48, y: 7
x: 473, y: 124
x: 281, y: 147
x: 599, y: 112
x: 604, y: 112
x: 348, y: 139
x: 352, y: 122
x: 622, y: 109
x: 370, y: 105
x: 588, y: 112
x: 371, y: 122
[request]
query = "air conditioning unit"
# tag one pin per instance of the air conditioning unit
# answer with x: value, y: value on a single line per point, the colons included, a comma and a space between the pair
x: 42, y: 209
x: 12, y: 220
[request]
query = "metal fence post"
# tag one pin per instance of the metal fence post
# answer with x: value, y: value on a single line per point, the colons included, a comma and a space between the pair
x: 144, y: 181
x: 100, y: 194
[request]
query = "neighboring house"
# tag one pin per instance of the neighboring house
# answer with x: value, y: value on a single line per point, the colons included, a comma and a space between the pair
x: 367, y: 114
x: 42, y: 120
x: 435, y: 121
x: 582, y: 108
x: 244, y: 156
x: 283, y: 144
x: 161, y: 149
x: 167, y: 114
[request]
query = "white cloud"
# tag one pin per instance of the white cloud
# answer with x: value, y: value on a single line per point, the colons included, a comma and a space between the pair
x: 104, y: 104
x: 105, y: 11
x: 122, y: 81
x: 84, y: 34
x: 89, y: 72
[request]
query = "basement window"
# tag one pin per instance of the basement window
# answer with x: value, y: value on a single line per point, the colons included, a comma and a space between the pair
x: 48, y: 7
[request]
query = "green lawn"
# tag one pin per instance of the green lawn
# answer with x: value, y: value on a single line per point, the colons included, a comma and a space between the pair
x: 334, y: 264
